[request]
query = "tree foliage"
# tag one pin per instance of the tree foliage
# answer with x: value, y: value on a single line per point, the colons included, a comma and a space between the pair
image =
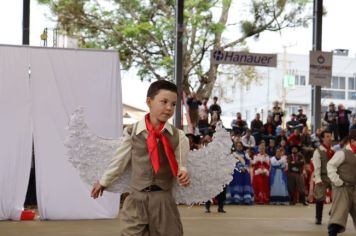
x: 143, y: 32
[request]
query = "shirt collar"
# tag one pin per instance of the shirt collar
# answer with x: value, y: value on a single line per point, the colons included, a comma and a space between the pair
x: 141, y: 126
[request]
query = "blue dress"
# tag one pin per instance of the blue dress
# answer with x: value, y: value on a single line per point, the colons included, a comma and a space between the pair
x: 278, y: 181
x: 240, y: 190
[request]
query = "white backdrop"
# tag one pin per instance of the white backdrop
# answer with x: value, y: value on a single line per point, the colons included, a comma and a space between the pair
x: 60, y: 81
x: 15, y: 131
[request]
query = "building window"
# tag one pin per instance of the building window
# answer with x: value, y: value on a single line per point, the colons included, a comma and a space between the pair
x: 352, y: 84
x: 292, y: 109
x: 299, y: 80
x: 338, y: 82
x: 335, y: 94
x: 352, y: 95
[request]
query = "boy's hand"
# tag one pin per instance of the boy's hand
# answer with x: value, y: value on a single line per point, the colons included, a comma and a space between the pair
x: 97, y: 190
x: 183, y: 178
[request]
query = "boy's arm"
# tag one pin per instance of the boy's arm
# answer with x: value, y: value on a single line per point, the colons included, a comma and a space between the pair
x: 317, y: 165
x: 119, y: 162
x: 181, y: 151
x: 332, y: 166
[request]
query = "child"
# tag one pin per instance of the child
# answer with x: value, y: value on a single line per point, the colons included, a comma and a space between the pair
x: 157, y: 153
x: 260, y: 180
x: 341, y: 171
x: 278, y: 181
x: 240, y: 191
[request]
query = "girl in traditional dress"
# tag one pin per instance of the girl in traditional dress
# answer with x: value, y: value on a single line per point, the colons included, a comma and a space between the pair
x: 240, y: 191
x: 278, y: 179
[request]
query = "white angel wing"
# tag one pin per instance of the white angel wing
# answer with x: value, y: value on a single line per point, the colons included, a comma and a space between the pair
x: 210, y: 168
x: 91, y: 154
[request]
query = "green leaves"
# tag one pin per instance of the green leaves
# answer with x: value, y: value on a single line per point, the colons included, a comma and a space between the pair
x: 143, y: 31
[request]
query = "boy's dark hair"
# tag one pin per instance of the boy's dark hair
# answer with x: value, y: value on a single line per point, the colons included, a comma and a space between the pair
x: 154, y: 88
x: 327, y: 131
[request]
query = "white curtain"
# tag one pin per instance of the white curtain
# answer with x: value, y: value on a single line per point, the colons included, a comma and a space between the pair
x: 60, y: 81
x: 15, y: 131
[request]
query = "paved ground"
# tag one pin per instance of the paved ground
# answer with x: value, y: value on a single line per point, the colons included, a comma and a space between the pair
x: 239, y: 220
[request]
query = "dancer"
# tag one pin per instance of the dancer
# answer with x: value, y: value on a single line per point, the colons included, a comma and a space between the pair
x: 341, y: 171
x: 278, y: 180
x: 157, y: 153
x: 320, y: 159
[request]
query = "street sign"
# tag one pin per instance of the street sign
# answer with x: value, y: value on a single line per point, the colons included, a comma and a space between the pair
x: 289, y: 81
x: 243, y: 58
x: 320, y: 68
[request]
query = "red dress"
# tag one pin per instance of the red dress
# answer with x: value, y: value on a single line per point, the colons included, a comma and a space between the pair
x: 261, y: 167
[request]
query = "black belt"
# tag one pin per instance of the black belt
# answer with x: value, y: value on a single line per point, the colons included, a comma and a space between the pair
x: 152, y: 188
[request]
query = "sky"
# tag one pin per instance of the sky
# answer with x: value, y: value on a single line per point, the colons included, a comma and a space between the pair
x: 337, y: 28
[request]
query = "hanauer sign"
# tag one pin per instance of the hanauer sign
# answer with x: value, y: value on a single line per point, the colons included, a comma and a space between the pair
x: 243, y: 58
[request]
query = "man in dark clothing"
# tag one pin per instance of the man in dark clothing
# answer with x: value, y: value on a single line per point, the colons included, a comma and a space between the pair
x: 257, y: 128
x: 331, y: 118
x: 193, y: 103
x: 295, y: 176
x: 215, y: 107
x: 238, y: 125
x: 294, y: 124
x: 302, y: 118
x: 343, y: 122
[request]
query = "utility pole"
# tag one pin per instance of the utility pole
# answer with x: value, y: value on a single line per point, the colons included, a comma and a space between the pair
x: 317, y: 40
x: 178, y: 68
x: 26, y: 22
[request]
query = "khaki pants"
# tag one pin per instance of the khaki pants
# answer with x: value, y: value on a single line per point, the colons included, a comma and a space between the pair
x: 344, y: 202
x: 150, y: 214
x: 320, y: 189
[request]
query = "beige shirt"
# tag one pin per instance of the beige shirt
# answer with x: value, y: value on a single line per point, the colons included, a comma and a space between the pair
x: 317, y: 164
x: 333, y: 164
x: 122, y: 156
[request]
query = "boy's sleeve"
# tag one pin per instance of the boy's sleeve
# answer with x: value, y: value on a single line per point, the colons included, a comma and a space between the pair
x: 119, y: 162
x: 332, y: 166
x: 182, y: 150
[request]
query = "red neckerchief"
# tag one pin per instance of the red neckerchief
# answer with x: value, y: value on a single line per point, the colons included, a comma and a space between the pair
x: 152, y: 146
x: 353, y: 148
x: 329, y: 152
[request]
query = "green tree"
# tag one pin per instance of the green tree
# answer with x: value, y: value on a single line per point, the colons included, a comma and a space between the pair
x: 143, y: 32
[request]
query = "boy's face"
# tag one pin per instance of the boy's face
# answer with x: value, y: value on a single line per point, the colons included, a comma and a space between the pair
x: 162, y: 106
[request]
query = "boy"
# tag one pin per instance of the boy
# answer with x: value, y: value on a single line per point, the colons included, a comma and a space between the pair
x: 320, y: 159
x: 157, y: 153
x: 341, y: 171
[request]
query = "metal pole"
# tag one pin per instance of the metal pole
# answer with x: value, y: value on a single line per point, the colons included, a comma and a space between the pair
x: 178, y: 70
x: 317, y: 40
x: 26, y: 23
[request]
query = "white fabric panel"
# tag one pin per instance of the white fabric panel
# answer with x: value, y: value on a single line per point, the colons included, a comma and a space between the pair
x: 15, y: 130
x: 63, y: 80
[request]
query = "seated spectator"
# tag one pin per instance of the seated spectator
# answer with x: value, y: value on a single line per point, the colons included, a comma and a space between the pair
x: 203, y: 124
x: 281, y: 136
x: 315, y: 138
x: 277, y: 114
x: 269, y: 129
x: 307, y: 145
x: 248, y: 141
x: 293, y: 124
x: 257, y: 128
x: 193, y: 103
x: 295, y: 139
x: 284, y: 145
x: 271, y: 149
x: 302, y: 118
x: 238, y: 125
